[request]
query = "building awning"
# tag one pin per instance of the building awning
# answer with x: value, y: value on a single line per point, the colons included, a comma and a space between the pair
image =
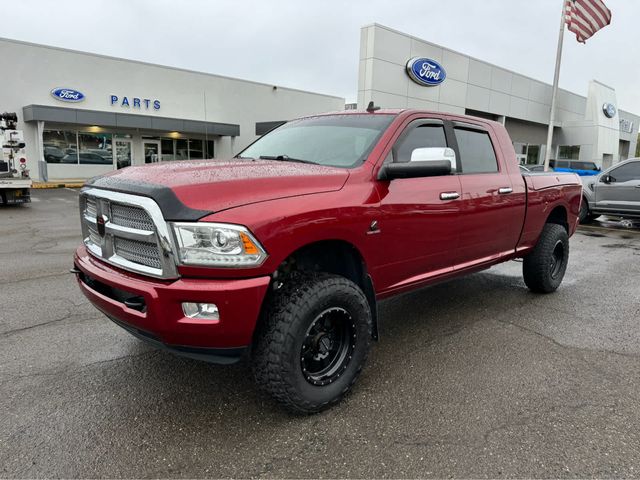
x: 32, y: 113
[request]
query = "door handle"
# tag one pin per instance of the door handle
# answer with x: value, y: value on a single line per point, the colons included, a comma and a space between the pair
x: 505, y: 190
x: 449, y: 195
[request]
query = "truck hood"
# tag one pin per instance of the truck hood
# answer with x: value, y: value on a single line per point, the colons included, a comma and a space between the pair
x: 209, y: 186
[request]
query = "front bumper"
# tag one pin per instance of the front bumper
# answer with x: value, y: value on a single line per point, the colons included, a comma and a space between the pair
x: 157, y: 316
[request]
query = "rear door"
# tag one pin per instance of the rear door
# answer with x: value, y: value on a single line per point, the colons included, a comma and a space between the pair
x: 491, y: 214
x: 622, y: 193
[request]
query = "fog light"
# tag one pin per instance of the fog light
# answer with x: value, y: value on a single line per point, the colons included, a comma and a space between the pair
x: 204, y: 311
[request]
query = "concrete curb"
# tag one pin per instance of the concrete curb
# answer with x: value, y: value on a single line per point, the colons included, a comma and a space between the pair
x: 57, y: 185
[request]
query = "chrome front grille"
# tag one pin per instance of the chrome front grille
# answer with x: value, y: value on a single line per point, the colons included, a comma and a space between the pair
x: 131, y: 217
x: 127, y: 231
x: 94, y: 236
x: 91, y: 209
x: 144, y: 253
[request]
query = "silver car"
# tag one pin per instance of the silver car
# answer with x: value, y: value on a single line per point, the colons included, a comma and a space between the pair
x: 616, y: 191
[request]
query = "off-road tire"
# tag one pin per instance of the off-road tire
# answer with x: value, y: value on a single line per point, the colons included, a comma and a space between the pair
x: 544, y: 268
x: 290, y: 311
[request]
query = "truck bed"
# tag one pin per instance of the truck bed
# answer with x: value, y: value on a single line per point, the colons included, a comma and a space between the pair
x: 541, y: 180
x: 544, y: 189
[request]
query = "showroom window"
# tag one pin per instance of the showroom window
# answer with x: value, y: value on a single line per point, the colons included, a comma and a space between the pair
x: 196, y: 151
x: 182, y: 149
x: 168, y: 152
x: 94, y: 149
x: 60, y: 146
x: 209, y: 149
x: 186, y: 148
x: 71, y: 147
x: 569, y: 152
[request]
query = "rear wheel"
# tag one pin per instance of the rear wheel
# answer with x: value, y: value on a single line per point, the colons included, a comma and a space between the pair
x: 313, y: 343
x: 544, y: 268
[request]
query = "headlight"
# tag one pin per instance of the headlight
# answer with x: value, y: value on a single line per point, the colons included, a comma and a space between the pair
x: 217, y: 245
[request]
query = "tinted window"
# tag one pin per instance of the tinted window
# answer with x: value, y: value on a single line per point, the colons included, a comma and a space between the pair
x: 630, y: 171
x: 559, y: 164
x: 476, y: 151
x: 424, y: 136
x: 583, y: 165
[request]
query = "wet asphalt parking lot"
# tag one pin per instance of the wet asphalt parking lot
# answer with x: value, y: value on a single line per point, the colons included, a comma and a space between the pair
x: 473, y: 378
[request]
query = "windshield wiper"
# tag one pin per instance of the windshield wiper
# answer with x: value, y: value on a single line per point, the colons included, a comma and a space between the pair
x: 285, y: 158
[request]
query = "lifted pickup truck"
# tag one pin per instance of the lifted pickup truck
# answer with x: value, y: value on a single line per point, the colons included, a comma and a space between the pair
x: 283, y: 252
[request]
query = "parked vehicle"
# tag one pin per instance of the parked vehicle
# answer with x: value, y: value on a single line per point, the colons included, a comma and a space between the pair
x: 15, y: 183
x: 616, y: 191
x: 283, y: 252
x: 582, y: 168
x: 87, y: 158
x: 53, y: 154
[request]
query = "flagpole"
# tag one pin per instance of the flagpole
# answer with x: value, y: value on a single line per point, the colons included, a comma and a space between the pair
x: 554, y: 93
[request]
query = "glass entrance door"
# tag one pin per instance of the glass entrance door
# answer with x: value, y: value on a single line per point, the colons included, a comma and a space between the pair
x: 123, y: 149
x: 151, y: 150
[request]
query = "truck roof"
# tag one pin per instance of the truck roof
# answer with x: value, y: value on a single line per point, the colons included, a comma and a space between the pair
x: 402, y: 111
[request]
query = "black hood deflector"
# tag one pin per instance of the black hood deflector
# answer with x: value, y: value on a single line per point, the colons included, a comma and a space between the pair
x: 173, y: 210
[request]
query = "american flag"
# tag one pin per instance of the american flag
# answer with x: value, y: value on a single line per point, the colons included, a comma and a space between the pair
x: 586, y: 17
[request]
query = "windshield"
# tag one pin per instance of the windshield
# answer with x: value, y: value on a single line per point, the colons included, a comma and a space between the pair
x: 332, y: 140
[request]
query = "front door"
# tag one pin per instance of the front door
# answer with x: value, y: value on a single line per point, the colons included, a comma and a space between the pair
x: 622, y: 192
x: 151, y: 150
x: 419, y: 224
x: 123, y: 148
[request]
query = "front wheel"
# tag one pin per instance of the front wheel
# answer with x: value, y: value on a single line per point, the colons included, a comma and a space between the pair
x: 313, y: 343
x: 544, y: 268
x: 585, y: 216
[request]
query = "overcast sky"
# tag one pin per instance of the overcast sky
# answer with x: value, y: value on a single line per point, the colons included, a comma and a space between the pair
x: 314, y: 45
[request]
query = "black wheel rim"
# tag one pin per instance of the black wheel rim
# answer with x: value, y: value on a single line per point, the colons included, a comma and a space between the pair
x: 328, y: 346
x: 557, y: 259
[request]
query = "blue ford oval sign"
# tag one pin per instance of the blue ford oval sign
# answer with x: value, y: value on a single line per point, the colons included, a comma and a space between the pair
x: 67, y: 94
x: 425, y: 71
x: 609, y: 110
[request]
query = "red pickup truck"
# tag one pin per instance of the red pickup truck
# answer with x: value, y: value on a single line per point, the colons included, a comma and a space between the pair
x: 282, y: 253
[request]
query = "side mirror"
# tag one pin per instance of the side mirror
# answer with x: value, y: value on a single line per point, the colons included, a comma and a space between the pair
x: 424, y: 162
x: 434, y: 154
x: 607, y: 179
x: 415, y: 170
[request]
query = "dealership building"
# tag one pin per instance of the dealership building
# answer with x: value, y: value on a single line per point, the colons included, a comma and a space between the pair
x: 590, y: 128
x: 85, y: 114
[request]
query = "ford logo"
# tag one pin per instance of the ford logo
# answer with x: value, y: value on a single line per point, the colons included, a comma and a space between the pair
x: 609, y: 110
x: 67, y: 95
x: 425, y: 71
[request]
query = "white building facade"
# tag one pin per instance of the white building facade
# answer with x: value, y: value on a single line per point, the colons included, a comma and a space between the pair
x: 588, y: 129
x: 85, y: 115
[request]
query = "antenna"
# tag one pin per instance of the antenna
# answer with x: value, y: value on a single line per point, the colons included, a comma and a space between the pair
x: 371, y: 107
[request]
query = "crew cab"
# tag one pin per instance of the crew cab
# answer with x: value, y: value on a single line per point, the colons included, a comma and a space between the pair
x: 282, y: 253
